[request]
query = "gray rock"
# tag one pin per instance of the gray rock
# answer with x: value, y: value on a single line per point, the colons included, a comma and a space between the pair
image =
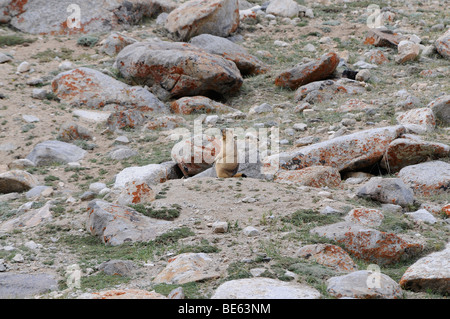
x: 422, y: 215
x: 427, y: 179
x: 364, y: 284
x: 24, y: 286
x: 246, y: 63
x: 264, y: 288
x: 115, y: 42
x: 49, y: 152
x: 114, y: 267
x: 122, y: 152
x: 115, y: 224
x: 388, y: 191
x: 441, y: 109
x: 152, y: 174
x: 16, y: 181
x: 37, y: 191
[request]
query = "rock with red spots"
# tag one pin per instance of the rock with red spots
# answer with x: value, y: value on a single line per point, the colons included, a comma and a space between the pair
x: 407, y: 51
x: 327, y: 90
x: 346, y: 153
x: 136, y: 192
x: 116, y: 224
x: 406, y: 151
x: 354, y: 105
x: 418, y: 121
x: 196, y: 154
x: 379, y: 38
x: 376, y: 56
x: 125, y: 119
x: 115, y: 42
x: 441, y: 109
x: 199, y: 104
x: 175, y: 69
x: 328, y: 255
x: 195, y: 17
x: 442, y: 45
x: 427, y: 179
x: 188, y: 267
x: 431, y: 272
x: 365, y: 216
x: 166, y: 122
x: 387, y: 191
x: 84, y: 87
x: 369, y: 244
x: 446, y: 210
x: 152, y: 174
x: 364, y: 284
x: 246, y: 63
x: 71, y: 131
x: 59, y: 17
x: 302, y: 74
x: 314, y: 176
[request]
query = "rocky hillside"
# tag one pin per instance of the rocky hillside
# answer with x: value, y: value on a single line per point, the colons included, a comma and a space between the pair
x: 108, y: 188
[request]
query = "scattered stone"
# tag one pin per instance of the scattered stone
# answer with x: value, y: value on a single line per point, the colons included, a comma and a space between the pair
x: 199, y: 104
x: 24, y: 67
x: 441, y: 109
x: 71, y: 131
x: 365, y: 216
x: 30, y: 118
x: 115, y: 42
x: 283, y: 8
x: 382, y: 39
x: 442, y: 45
x: 220, y: 227
x: 40, y: 94
x: 30, y: 219
x: 250, y: 231
x: 4, y: 58
x: 376, y: 56
x: 188, y: 267
x: 407, y: 51
x: 39, y: 191
x: 123, y: 268
x: 121, y: 153
x: 364, y: 284
x: 363, y: 75
x: 264, y: 288
x: 418, y: 121
x: 152, y: 174
x: 136, y: 192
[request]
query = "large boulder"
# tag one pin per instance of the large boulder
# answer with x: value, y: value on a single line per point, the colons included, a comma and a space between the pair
x: 387, y: 191
x: 16, y: 181
x: 84, y: 87
x: 152, y: 174
x: 116, y: 224
x: 349, y: 152
x: 303, y: 74
x: 407, y: 151
x: 314, y: 176
x: 442, y: 45
x: 418, y: 121
x: 328, y: 255
x: 246, y: 63
x: 178, y: 69
x: 441, y: 109
x: 427, y: 179
x: 431, y: 272
x: 216, y: 17
x: 51, y: 152
x: 57, y: 17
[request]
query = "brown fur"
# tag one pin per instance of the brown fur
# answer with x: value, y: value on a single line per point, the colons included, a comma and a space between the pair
x: 226, y: 161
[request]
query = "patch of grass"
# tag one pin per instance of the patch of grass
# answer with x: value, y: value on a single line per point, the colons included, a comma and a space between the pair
x: 306, y: 216
x: 162, y: 213
x: 395, y: 223
x: 87, y: 41
x: 49, y: 55
x: 101, y: 281
x: 10, y: 40
x: 203, y: 247
x: 192, y: 290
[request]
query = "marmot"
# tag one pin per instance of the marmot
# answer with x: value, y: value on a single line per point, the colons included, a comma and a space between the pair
x: 226, y: 162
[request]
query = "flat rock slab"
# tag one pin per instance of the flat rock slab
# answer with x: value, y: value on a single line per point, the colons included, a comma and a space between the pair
x: 364, y: 284
x: 16, y: 181
x: 246, y: 63
x: 85, y: 87
x: 328, y: 255
x: 115, y: 224
x: 314, y: 176
x: 427, y: 179
x: 303, y: 74
x: 431, y: 272
x: 350, y: 152
x: 176, y: 69
x: 50, y: 152
x: 200, y: 105
x: 264, y: 288
x: 24, y: 286
x: 382, y: 39
x: 403, y: 152
x: 216, y: 17
x: 189, y: 267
